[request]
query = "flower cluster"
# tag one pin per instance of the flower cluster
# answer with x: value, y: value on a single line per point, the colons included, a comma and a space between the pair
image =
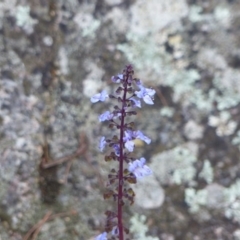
x: 128, y: 97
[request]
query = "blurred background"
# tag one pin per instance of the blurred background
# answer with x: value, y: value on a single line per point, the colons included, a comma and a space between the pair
x: 56, y: 54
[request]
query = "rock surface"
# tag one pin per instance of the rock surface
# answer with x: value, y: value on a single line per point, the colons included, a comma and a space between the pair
x: 56, y: 54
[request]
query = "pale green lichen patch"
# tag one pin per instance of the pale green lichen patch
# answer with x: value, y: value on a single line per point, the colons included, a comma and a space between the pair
x: 195, y: 198
x: 236, y: 140
x: 232, y: 201
x: 223, y: 123
x: 207, y: 172
x: 87, y: 24
x: 167, y: 112
x: 139, y: 228
x: 23, y: 18
x: 180, y: 169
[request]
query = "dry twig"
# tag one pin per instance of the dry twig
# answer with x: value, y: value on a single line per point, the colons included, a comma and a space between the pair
x: 46, y: 161
x: 34, y: 231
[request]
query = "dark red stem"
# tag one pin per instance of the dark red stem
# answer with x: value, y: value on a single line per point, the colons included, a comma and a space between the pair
x: 121, y: 161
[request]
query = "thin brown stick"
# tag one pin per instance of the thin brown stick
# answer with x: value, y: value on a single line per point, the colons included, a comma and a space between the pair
x: 34, y: 231
x: 63, y: 159
x: 37, y: 226
x: 64, y: 180
x: 78, y: 152
x: 63, y: 214
x: 44, y: 220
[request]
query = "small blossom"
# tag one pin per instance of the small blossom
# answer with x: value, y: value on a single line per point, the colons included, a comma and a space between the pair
x: 136, y: 102
x: 139, y: 169
x: 129, y: 145
x: 140, y: 135
x: 99, y: 97
x: 115, y: 231
x: 145, y: 93
x: 106, y: 116
x: 102, y: 143
x: 116, y: 148
x: 117, y: 79
x: 130, y: 135
x: 102, y: 236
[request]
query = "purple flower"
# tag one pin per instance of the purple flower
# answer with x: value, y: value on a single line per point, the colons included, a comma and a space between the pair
x: 130, y: 135
x: 117, y: 79
x: 138, y: 134
x: 145, y: 93
x: 116, y: 148
x: 128, y: 95
x: 129, y: 145
x: 106, y: 116
x: 99, y: 97
x: 136, y: 102
x: 115, y: 231
x: 102, y: 236
x: 102, y: 143
x: 139, y: 169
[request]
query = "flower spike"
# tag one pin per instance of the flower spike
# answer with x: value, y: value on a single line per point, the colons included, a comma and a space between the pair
x: 127, y: 96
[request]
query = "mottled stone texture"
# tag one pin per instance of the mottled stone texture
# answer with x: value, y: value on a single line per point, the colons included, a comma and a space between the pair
x: 55, y: 54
